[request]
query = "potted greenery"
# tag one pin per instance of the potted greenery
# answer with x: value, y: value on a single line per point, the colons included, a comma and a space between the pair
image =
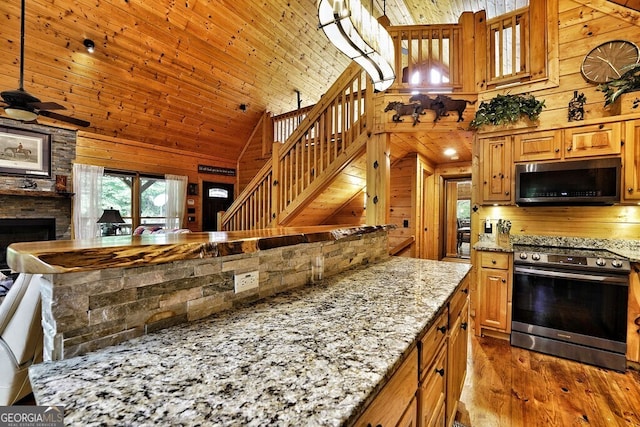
x: 629, y: 81
x: 506, y: 109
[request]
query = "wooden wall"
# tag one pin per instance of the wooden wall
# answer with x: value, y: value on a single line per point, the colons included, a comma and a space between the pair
x: 582, y: 26
x: 403, y: 205
x: 256, y: 152
x: 124, y: 155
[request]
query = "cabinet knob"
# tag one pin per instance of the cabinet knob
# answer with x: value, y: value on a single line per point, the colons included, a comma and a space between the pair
x: 440, y: 371
x: 493, y: 261
x: 465, y: 291
x: 557, y: 150
x: 629, y: 190
x: 504, y: 280
x: 506, y: 193
x: 442, y: 329
x: 464, y: 325
x: 569, y: 148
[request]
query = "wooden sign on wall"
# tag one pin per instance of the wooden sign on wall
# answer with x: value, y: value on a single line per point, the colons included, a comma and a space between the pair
x: 216, y: 170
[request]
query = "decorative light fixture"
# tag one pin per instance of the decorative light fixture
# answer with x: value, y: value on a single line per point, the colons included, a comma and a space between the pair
x: 19, y: 113
x: 110, y: 219
x: 90, y: 45
x: 357, y: 34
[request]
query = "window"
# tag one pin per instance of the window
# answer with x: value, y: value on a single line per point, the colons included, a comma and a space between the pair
x: 141, y: 199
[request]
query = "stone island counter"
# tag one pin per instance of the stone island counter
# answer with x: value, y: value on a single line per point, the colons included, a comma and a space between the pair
x: 101, y: 292
x: 316, y: 355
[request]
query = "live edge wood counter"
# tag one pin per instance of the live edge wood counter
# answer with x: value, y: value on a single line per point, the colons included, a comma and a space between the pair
x: 314, y: 356
x: 67, y: 256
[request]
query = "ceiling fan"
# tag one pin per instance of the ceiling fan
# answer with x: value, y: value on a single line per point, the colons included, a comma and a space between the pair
x: 21, y: 105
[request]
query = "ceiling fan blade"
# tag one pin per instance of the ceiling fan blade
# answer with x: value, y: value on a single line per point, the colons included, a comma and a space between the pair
x: 46, y: 106
x: 72, y: 120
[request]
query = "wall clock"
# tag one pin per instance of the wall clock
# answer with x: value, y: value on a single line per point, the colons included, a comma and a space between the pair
x: 608, y: 60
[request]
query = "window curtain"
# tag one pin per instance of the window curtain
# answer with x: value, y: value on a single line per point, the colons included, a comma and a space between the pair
x: 176, y: 192
x: 87, y: 185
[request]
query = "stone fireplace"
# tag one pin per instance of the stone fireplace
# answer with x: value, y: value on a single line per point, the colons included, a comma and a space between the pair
x: 20, y: 201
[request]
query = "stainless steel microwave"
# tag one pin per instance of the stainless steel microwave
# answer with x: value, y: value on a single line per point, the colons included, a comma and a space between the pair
x: 575, y: 182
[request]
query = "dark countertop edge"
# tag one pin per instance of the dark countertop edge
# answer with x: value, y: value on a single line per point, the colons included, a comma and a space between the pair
x: 113, y: 252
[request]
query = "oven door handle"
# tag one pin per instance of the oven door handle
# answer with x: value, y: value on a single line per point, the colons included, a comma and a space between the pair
x: 620, y: 280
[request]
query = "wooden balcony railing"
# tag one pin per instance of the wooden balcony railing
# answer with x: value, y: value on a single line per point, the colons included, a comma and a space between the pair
x: 284, y: 124
x: 323, y: 137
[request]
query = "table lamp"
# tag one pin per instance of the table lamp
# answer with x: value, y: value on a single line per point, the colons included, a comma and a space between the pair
x: 110, y: 219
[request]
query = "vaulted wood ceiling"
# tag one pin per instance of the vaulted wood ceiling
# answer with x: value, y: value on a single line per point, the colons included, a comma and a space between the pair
x: 174, y: 73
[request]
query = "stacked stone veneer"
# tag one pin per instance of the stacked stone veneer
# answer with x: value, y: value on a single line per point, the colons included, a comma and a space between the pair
x: 63, y: 152
x: 87, y: 311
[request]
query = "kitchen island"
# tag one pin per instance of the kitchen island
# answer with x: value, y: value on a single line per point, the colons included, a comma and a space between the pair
x: 317, y: 355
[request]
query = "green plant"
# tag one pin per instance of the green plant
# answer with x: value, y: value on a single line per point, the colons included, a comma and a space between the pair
x: 506, y: 109
x: 629, y: 81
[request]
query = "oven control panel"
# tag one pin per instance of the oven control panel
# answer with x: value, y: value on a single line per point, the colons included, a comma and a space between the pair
x: 591, y: 259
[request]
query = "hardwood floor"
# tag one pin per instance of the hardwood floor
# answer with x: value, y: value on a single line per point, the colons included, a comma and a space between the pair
x: 511, y: 387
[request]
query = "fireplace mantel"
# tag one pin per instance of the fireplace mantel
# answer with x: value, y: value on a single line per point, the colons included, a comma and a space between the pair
x: 35, y: 193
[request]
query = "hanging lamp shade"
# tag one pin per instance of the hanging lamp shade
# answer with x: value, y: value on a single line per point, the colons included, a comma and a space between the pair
x: 357, y: 34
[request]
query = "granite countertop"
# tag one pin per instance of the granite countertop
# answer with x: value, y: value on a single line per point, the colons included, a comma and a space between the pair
x: 315, y: 356
x: 629, y: 249
x: 65, y: 256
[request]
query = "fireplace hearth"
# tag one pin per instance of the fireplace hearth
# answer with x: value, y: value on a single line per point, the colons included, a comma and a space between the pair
x: 14, y: 230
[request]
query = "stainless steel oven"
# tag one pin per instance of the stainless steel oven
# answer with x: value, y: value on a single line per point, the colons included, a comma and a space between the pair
x: 571, y: 303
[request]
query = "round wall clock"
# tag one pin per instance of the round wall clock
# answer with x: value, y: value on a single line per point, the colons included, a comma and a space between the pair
x: 608, y: 60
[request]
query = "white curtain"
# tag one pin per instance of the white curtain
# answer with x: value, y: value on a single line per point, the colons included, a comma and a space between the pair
x: 176, y: 191
x: 87, y: 185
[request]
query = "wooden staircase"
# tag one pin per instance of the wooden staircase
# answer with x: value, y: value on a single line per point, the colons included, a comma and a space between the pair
x: 328, y: 143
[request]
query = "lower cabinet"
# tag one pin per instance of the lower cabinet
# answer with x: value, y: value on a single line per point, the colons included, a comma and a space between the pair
x: 426, y: 388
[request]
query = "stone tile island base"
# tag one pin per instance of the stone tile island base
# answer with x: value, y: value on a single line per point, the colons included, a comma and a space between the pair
x: 89, y: 310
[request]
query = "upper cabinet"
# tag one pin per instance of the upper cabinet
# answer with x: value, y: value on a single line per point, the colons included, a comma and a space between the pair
x: 496, y: 168
x: 584, y: 141
x: 631, y: 162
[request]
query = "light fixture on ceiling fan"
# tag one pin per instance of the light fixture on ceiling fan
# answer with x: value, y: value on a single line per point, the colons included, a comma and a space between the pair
x: 21, y: 105
x: 357, y: 34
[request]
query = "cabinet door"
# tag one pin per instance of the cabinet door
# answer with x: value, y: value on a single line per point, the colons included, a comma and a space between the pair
x: 633, y: 315
x: 390, y: 405
x: 494, y: 299
x: 631, y: 165
x: 410, y: 417
x: 457, y: 362
x: 432, y: 391
x: 496, y: 169
x: 538, y: 146
x: 593, y: 140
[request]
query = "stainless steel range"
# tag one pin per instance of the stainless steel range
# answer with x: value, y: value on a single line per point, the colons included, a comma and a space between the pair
x: 571, y: 303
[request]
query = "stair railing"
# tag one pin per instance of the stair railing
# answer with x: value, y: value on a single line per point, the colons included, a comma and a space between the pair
x: 322, y: 138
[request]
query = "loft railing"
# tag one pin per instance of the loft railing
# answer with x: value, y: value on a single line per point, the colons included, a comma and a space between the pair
x: 428, y: 56
x: 326, y: 133
x: 507, y: 42
x: 284, y: 124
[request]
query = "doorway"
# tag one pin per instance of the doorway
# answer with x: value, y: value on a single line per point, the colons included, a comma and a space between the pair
x: 216, y: 197
x: 457, y: 218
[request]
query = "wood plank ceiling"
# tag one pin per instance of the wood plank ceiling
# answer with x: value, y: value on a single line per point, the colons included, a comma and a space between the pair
x: 174, y: 73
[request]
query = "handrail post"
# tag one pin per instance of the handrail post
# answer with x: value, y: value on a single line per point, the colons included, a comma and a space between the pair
x: 276, y: 179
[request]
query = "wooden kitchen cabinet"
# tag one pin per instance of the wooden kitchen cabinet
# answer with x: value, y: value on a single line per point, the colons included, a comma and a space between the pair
x: 391, y: 404
x: 534, y: 146
x: 433, y: 367
x: 494, y: 292
x: 633, y: 315
x: 457, y: 348
x: 496, y: 169
x: 631, y: 162
x: 592, y: 140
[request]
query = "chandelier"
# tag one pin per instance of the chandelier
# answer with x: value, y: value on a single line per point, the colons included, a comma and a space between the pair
x: 357, y: 34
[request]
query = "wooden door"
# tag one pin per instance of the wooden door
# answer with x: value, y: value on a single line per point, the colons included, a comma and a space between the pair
x: 216, y: 197
x: 631, y: 166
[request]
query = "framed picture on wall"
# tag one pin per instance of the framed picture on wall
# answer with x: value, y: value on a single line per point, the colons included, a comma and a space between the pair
x: 24, y: 152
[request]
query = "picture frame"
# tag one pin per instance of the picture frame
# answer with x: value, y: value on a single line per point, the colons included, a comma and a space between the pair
x: 25, y: 152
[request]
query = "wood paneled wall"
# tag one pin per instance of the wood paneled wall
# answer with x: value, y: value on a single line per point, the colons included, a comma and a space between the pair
x: 124, y: 155
x: 582, y: 26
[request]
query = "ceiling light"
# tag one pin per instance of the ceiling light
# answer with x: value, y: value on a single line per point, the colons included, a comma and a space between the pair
x: 90, y: 45
x: 359, y: 36
x: 449, y: 152
x: 20, y: 114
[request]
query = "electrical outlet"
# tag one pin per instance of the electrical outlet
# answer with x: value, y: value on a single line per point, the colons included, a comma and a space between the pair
x: 245, y: 281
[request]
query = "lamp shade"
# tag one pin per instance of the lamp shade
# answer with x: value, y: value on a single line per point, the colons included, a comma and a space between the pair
x: 20, y: 113
x: 111, y: 216
x: 355, y: 32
